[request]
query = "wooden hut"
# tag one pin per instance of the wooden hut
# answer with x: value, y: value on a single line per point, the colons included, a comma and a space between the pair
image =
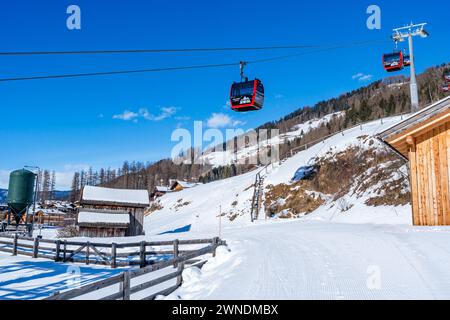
x: 121, y: 202
x: 51, y: 217
x: 103, y: 224
x: 179, y: 185
x: 424, y: 139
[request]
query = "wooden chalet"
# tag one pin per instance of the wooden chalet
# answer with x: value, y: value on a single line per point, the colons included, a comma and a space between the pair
x: 52, y: 217
x: 97, y: 201
x: 179, y: 185
x: 424, y: 139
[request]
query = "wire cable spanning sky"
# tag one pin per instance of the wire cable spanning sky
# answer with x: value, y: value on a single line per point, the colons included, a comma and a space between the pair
x: 219, y: 65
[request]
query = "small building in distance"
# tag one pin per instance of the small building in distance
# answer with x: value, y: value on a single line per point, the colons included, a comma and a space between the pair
x: 424, y: 139
x: 51, y: 217
x: 159, y: 191
x: 179, y: 185
x: 107, y: 212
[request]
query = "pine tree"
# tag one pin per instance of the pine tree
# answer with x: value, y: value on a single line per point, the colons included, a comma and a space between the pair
x: 45, y: 186
x: 52, y: 186
x: 75, y: 189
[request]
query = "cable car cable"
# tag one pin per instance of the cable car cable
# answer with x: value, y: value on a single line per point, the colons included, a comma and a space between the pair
x: 315, y: 51
x: 86, y: 52
x: 77, y: 75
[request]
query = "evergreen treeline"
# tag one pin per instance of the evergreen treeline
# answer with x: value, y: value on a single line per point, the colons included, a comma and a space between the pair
x: 136, y: 175
x: 225, y: 172
x: 46, y: 186
x: 379, y: 99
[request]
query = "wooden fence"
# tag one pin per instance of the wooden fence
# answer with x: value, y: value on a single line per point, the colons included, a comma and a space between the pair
x: 120, y: 287
x: 114, y: 254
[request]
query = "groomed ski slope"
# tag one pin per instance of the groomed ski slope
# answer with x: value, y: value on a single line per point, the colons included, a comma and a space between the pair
x: 323, y: 260
x: 365, y: 253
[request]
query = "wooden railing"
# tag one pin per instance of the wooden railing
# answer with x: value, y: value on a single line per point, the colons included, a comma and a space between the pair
x: 114, y: 254
x: 120, y: 287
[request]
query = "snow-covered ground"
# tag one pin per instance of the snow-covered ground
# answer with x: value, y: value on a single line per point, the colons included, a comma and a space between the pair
x: 324, y: 260
x: 28, y: 279
x: 363, y: 253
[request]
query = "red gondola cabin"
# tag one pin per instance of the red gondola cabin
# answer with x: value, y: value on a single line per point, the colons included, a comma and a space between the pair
x: 247, y: 96
x: 393, y: 61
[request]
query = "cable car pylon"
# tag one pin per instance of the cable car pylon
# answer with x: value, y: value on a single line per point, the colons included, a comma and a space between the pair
x: 408, y: 32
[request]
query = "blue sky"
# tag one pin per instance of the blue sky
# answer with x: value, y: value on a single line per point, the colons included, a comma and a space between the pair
x: 68, y: 124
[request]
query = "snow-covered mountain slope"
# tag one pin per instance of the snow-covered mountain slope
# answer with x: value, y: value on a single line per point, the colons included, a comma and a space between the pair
x: 363, y: 253
x: 223, y: 158
x: 200, y: 206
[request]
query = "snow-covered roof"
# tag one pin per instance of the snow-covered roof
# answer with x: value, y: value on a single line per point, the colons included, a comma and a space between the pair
x: 121, y: 196
x: 51, y: 211
x: 162, y: 189
x: 105, y: 218
x: 416, y: 118
x: 425, y: 120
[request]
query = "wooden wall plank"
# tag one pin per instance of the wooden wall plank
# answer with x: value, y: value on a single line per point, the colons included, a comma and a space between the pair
x: 420, y: 181
x: 425, y: 191
x: 413, y: 184
x: 432, y: 178
x: 445, y: 176
x: 438, y: 173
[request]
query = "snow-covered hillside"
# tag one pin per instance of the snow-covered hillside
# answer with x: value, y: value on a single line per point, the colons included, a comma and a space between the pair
x: 200, y: 206
x: 223, y: 158
x: 327, y: 254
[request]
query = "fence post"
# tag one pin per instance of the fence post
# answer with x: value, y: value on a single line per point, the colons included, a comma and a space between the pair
x: 65, y: 250
x: 113, y: 255
x: 142, y: 254
x: 35, y: 247
x: 126, y: 285
x: 58, y: 249
x: 180, y: 276
x: 176, y: 244
x: 15, y: 245
x: 215, y: 245
x: 88, y: 246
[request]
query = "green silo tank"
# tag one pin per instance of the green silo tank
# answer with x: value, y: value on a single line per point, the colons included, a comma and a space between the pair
x: 21, y: 190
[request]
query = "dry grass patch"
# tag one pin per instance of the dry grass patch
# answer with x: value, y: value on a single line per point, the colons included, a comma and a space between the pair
x: 357, y: 171
x: 155, y: 206
x: 291, y: 200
